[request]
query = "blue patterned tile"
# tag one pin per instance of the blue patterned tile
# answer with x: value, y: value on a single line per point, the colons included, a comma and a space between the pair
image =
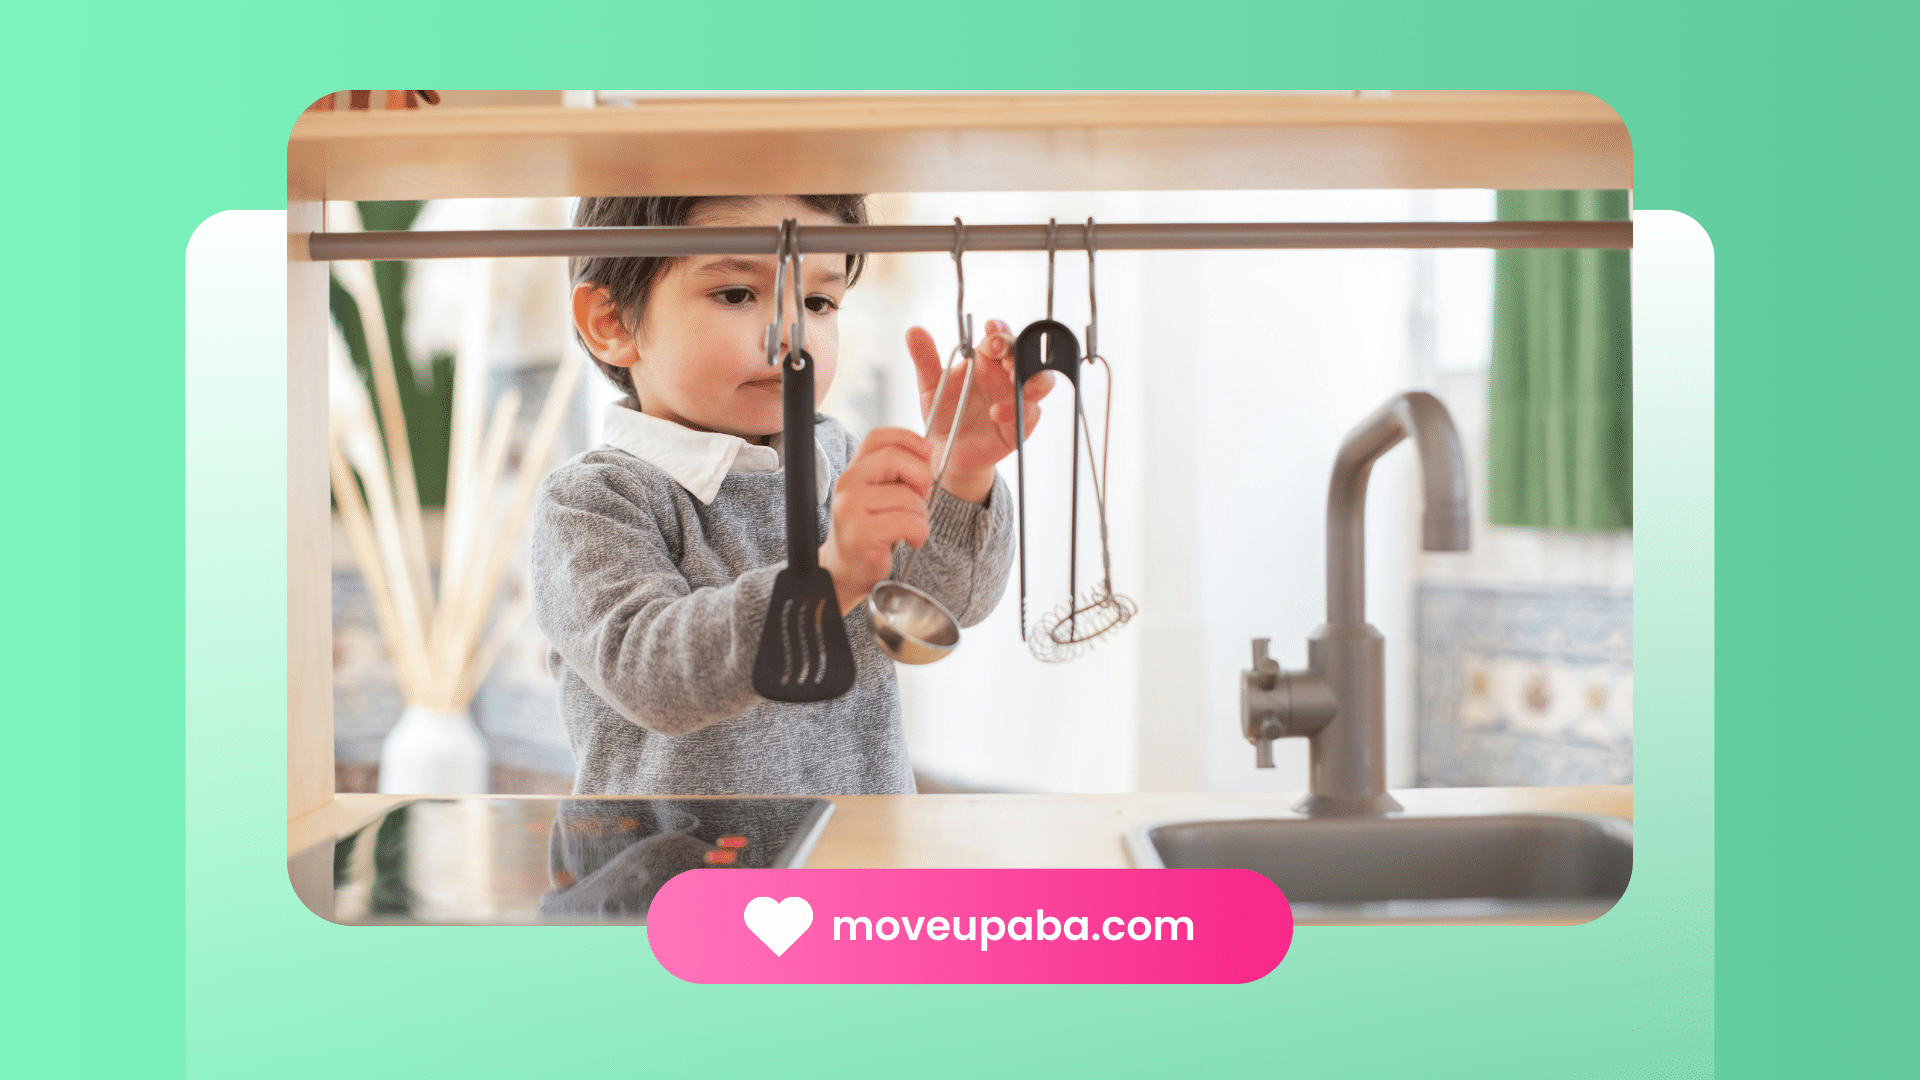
x: 1521, y: 685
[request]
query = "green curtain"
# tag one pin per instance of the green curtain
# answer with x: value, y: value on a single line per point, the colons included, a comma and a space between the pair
x: 1560, y: 438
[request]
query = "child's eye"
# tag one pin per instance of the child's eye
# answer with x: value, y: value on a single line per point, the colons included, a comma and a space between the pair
x: 735, y: 296
x: 820, y: 305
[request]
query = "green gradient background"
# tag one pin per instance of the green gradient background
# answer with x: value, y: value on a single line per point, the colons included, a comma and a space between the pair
x: 127, y: 128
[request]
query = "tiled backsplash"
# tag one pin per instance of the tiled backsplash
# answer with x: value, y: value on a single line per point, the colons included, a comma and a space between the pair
x: 1522, y: 685
x: 1516, y: 685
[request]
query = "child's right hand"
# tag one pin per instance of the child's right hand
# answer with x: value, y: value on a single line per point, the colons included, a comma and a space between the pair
x: 880, y: 500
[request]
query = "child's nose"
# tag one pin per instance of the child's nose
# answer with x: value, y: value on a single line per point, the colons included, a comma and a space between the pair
x: 785, y: 346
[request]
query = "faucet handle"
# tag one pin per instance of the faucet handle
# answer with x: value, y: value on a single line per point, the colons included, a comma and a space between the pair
x: 1270, y: 710
x: 1266, y: 670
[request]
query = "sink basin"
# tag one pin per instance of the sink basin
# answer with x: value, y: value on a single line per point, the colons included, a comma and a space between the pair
x: 1492, y: 868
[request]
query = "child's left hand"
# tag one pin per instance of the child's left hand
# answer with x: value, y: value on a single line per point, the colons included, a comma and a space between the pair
x: 987, y: 430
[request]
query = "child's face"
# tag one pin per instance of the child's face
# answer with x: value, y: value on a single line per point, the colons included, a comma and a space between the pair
x: 699, y: 356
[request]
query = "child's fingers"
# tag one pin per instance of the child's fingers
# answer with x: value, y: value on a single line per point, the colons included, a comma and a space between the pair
x: 886, y: 499
x: 998, y: 341
x: 884, y: 528
x: 881, y: 519
x: 1033, y: 390
x: 915, y: 532
x: 926, y: 364
x: 995, y: 348
x: 1003, y: 410
x: 892, y: 465
x: 1003, y: 416
x: 1037, y: 388
x: 997, y: 352
x: 993, y: 376
x: 881, y: 438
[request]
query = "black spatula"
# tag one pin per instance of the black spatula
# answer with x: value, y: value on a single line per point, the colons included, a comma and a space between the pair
x: 804, y: 654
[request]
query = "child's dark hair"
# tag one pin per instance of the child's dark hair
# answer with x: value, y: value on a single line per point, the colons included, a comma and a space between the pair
x: 629, y: 281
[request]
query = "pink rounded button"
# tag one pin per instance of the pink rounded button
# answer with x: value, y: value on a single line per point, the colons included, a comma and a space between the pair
x: 970, y: 926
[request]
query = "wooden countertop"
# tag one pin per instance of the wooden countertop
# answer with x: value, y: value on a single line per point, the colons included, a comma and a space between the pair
x: 1086, y: 830
x: 1032, y: 830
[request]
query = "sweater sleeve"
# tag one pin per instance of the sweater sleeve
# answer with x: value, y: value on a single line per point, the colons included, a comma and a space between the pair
x: 611, y: 600
x: 968, y: 553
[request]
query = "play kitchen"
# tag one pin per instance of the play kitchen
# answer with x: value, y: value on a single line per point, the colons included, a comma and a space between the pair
x: 1346, y: 851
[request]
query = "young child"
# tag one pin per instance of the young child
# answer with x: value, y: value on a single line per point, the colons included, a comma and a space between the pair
x: 654, y: 555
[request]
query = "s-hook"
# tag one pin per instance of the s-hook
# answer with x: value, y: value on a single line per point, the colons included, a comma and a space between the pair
x: 780, y: 253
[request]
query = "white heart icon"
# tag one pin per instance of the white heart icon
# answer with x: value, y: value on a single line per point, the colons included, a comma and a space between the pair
x: 779, y: 924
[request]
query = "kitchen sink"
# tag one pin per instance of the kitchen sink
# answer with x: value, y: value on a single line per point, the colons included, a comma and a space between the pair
x: 1562, y: 868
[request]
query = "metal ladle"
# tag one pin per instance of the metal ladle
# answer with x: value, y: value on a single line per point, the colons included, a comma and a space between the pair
x: 908, y: 624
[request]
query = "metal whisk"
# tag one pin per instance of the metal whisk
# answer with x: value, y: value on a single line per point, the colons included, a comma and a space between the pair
x: 1074, y: 627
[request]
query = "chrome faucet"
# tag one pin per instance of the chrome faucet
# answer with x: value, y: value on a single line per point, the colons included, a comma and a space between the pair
x: 1338, y: 703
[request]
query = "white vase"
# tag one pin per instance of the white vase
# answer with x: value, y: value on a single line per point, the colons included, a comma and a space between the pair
x: 430, y: 752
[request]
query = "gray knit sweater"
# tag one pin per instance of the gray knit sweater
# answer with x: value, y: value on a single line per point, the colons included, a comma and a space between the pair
x: 653, y: 602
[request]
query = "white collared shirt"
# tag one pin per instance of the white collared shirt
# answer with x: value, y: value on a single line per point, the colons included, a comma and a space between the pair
x: 700, y: 460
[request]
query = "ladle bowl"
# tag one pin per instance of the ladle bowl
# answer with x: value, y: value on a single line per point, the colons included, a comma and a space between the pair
x: 909, y: 625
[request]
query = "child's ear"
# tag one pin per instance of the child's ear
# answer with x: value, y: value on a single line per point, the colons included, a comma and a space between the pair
x: 600, y: 326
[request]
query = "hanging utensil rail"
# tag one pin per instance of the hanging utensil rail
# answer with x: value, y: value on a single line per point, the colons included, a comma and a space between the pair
x: 665, y: 240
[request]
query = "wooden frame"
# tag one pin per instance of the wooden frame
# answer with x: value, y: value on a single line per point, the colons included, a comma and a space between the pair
x: 967, y: 143
x: 872, y: 144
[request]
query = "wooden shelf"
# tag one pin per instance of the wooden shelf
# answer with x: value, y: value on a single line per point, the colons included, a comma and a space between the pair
x: 1114, y: 142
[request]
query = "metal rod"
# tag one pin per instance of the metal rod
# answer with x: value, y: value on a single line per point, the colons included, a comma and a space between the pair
x: 676, y: 241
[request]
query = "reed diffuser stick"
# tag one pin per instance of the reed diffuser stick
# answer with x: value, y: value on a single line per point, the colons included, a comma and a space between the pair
x: 351, y: 424
x: 475, y: 673
x: 358, y: 280
x: 460, y: 584
x: 366, y: 552
x: 467, y: 500
x: 527, y: 484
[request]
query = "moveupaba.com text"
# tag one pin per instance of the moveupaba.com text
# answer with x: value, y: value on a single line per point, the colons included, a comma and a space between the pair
x: 1036, y: 927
